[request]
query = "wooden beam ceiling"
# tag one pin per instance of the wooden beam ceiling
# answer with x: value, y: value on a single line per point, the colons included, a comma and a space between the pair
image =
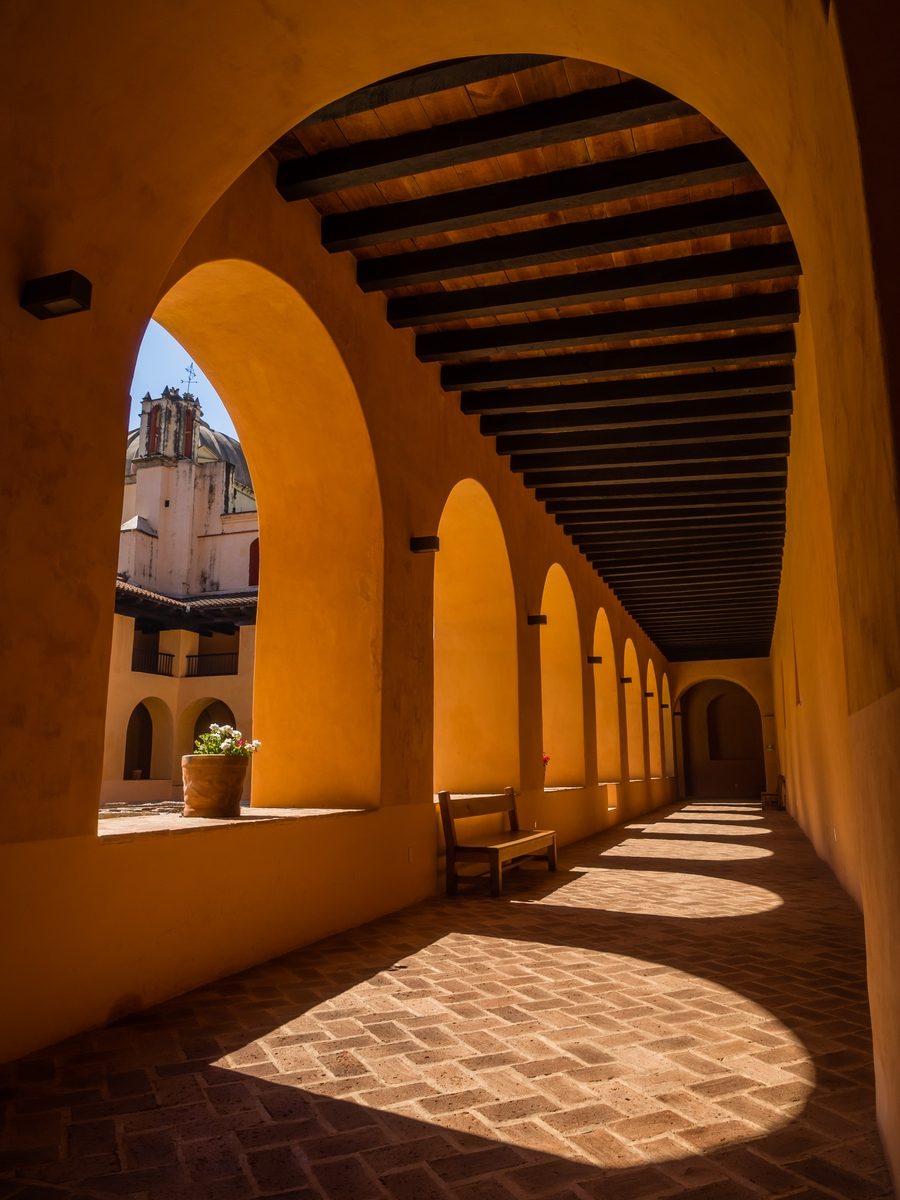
x: 610, y: 288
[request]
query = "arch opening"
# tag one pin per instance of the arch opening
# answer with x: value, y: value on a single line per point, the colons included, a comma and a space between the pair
x: 562, y: 695
x: 606, y: 700
x: 634, y: 712
x: 668, y: 731
x: 317, y: 682
x: 654, y: 732
x: 723, y: 741
x: 476, y: 707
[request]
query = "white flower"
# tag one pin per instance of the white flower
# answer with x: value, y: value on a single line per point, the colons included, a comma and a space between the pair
x: 227, y: 744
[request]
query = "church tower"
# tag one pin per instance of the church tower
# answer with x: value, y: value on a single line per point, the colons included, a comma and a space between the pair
x: 169, y: 426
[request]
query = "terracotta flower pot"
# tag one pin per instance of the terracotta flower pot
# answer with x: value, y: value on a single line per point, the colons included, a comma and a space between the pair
x: 213, y: 784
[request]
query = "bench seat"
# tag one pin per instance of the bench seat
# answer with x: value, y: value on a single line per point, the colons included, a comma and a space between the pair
x: 494, y: 849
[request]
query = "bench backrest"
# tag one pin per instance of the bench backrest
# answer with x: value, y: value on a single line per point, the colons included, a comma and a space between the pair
x: 476, y: 806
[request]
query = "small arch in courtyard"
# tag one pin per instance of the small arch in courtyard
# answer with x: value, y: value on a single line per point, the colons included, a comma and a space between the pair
x: 148, y: 740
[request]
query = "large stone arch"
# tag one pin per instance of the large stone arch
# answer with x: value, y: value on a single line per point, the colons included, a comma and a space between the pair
x: 317, y: 680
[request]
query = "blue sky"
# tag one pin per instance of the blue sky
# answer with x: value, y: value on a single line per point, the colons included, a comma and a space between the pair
x: 162, y: 361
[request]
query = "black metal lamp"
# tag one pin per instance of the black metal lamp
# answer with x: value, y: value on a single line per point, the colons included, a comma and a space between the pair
x: 424, y: 545
x: 56, y: 295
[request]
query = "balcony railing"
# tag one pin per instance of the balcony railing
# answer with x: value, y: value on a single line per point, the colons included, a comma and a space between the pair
x: 212, y: 664
x: 152, y: 662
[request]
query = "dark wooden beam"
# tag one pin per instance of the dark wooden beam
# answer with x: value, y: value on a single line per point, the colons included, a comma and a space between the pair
x: 713, y: 650
x: 683, y: 517
x: 425, y: 81
x: 760, y: 448
x: 738, y: 552
x: 564, y: 511
x: 652, y: 542
x: 665, y: 275
x: 772, y: 466
x: 549, y: 445
x: 585, y: 114
x: 565, y: 499
x: 575, y: 187
x: 548, y: 400
x: 604, y: 364
x: 698, y: 572
x: 574, y: 239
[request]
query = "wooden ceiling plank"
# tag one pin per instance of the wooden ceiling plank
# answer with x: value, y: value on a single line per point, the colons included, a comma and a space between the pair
x: 549, y: 400
x: 677, y: 433
x: 575, y: 187
x: 771, y: 467
x: 490, y: 135
x: 743, y: 312
x: 425, y: 81
x: 660, y: 276
x: 574, y: 239
x: 764, y: 447
x: 740, y: 350
x: 633, y: 416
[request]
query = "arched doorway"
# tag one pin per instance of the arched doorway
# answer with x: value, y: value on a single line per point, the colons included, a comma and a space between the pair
x: 216, y: 713
x: 723, y: 742
x: 606, y: 701
x: 476, y: 707
x: 634, y: 712
x: 139, y: 743
x: 562, y: 699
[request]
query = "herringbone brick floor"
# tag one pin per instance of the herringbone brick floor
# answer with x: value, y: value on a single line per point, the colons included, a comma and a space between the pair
x: 679, y: 1012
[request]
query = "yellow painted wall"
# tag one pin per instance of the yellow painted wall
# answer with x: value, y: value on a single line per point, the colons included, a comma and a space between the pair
x: 92, y: 184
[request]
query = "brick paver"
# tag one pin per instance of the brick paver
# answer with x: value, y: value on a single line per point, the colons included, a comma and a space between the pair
x: 680, y: 1012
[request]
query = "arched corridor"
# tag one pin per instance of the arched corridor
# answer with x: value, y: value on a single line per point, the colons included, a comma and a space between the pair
x: 638, y: 279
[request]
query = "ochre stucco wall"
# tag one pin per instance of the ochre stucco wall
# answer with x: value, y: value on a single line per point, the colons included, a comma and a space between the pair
x: 109, y: 173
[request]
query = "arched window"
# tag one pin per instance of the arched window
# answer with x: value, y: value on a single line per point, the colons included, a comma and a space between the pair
x: 153, y: 431
x: 187, y: 441
x: 138, y: 744
x: 253, y: 573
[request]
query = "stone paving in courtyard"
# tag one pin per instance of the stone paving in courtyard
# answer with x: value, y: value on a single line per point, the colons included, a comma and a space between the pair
x: 680, y: 1011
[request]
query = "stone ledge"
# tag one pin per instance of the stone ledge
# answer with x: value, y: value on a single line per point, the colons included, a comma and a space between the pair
x: 121, y: 829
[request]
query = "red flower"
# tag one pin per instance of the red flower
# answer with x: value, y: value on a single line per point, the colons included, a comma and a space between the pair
x: 546, y: 759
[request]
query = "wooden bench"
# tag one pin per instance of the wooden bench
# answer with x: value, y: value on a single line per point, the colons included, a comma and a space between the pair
x: 495, y: 850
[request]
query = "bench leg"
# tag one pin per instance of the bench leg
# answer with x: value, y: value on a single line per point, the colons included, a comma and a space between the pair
x: 452, y: 877
x: 551, y: 856
x: 496, y: 875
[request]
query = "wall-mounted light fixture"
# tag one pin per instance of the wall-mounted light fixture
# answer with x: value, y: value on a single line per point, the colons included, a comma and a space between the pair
x: 664, y: 706
x: 624, y: 679
x: 424, y: 545
x: 537, y: 619
x: 595, y: 658
x: 649, y: 695
x: 677, y: 714
x: 56, y: 295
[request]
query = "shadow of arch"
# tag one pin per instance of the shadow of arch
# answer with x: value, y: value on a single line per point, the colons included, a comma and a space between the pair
x: 317, y: 681
x: 562, y: 696
x: 476, y: 691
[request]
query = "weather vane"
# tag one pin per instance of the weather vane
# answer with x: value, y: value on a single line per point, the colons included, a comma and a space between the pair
x: 191, y: 376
